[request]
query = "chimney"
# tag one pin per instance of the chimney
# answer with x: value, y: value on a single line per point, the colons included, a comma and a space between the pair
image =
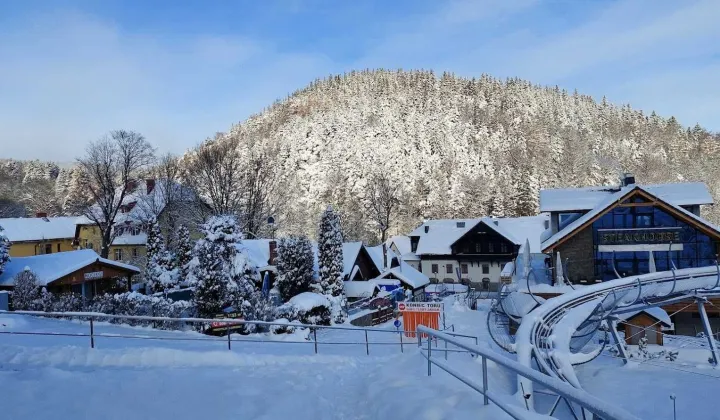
x: 273, y: 252
x: 130, y: 186
x: 547, y: 224
x: 41, y: 214
x: 427, y: 228
x: 628, y: 179
x: 150, y: 185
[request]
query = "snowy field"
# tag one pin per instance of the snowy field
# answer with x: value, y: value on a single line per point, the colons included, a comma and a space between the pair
x: 63, y: 378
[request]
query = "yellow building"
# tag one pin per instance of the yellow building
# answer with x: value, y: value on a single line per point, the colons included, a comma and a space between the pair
x: 30, y: 236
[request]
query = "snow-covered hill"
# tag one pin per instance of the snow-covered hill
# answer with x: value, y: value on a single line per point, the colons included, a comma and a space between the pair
x: 462, y: 147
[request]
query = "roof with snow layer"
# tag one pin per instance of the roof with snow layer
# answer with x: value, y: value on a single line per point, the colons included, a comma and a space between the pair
x: 21, y: 229
x: 654, y: 312
x: 51, y: 267
x: 615, y: 198
x: 443, y: 233
x: 587, y: 198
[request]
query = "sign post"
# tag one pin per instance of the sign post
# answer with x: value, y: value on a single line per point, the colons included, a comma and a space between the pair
x: 419, y: 313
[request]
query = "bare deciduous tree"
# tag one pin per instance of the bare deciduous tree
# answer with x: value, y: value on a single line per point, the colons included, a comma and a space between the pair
x: 382, y: 202
x: 113, y: 165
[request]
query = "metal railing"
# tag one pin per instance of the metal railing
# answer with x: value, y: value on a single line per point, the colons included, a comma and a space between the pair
x: 563, y: 391
x: 93, y: 318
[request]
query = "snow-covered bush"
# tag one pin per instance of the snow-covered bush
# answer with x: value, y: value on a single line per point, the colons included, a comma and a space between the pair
x: 330, y: 263
x: 26, y: 291
x: 4, y: 250
x: 295, y: 266
x: 286, y: 328
x: 308, y: 308
x: 136, y: 304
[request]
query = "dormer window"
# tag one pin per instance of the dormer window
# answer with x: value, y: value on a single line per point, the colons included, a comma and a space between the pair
x: 460, y: 224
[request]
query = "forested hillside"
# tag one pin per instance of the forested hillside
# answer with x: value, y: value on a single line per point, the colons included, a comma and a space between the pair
x: 440, y: 146
x: 459, y: 147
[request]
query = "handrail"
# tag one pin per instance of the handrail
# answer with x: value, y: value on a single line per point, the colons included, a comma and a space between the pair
x: 564, y: 390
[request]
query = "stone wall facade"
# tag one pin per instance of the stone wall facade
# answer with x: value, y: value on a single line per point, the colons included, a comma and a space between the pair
x: 579, y: 250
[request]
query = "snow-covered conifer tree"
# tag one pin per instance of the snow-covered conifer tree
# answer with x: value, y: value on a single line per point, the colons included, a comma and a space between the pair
x: 216, y: 273
x: 161, y: 272
x: 330, y: 262
x: 4, y: 250
x: 183, y: 251
x: 155, y: 241
x: 25, y: 291
x: 295, y: 266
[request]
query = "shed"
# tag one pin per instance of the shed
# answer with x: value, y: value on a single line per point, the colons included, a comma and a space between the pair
x: 648, y: 323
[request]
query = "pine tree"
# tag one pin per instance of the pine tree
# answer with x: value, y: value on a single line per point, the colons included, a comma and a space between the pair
x: 26, y: 291
x: 183, y: 251
x: 161, y: 273
x: 217, y: 275
x: 4, y: 250
x: 330, y: 262
x: 155, y: 241
x: 295, y: 266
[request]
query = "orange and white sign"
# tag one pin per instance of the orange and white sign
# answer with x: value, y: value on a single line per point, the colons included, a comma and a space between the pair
x: 419, y: 313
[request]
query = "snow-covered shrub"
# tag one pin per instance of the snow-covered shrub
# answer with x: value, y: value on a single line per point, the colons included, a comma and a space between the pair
x: 330, y: 263
x: 26, y: 291
x: 295, y: 266
x: 308, y: 308
x: 136, y: 304
x: 287, y: 328
x: 4, y: 250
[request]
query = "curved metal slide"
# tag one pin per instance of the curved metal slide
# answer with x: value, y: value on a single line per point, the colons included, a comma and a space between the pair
x: 554, y: 334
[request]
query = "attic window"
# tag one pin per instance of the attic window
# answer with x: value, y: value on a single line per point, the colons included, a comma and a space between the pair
x: 460, y: 224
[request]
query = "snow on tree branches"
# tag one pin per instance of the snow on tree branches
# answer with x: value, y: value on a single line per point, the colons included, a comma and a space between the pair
x: 183, y: 251
x: 161, y: 273
x: 330, y: 262
x: 26, y: 290
x: 4, y: 250
x: 295, y: 266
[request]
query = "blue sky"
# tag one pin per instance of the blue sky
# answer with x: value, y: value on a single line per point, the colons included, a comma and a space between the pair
x: 179, y: 71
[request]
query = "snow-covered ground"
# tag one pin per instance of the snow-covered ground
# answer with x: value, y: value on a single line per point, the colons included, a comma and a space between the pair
x: 63, y: 378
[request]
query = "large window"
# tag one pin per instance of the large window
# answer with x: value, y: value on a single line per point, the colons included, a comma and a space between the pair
x: 118, y: 254
x: 690, y: 247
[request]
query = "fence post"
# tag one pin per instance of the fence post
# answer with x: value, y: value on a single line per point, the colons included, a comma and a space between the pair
x: 228, y: 333
x: 429, y: 352
x: 315, y: 339
x: 92, y: 334
x: 418, y: 337
x: 367, y: 345
x: 485, y: 381
x: 445, y: 349
x: 401, y: 343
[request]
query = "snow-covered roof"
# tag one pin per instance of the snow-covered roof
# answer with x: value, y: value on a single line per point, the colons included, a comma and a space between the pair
x: 518, y: 304
x: 257, y: 251
x: 366, y: 288
x: 350, y: 254
x: 129, y: 239
x: 408, y: 275
x: 441, y: 234
x: 654, y: 312
x: 608, y: 201
x: 587, y: 198
x: 22, y: 229
x: 140, y: 205
x: 402, y: 244
x: 50, y: 267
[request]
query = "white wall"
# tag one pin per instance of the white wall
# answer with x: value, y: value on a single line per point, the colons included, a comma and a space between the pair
x: 475, y: 273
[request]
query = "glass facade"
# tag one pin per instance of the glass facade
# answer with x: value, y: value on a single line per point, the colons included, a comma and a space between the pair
x: 652, y: 227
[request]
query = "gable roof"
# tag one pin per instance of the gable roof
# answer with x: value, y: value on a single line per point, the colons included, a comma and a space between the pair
x: 51, y: 267
x: 587, y: 198
x: 21, y: 229
x: 654, y: 312
x: 610, y: 201
x: 443, y: 233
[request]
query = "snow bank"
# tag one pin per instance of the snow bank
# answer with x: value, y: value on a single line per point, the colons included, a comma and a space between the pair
x: 308, y: 301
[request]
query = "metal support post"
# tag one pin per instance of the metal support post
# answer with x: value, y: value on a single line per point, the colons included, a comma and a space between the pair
x: 445, y: 349
x: 367, y: 345
x: 92, y: 334
x: 485, y: 381
x: 401, y: 343
x: 708, y: 331
x: 315, y: 339
x: 429, y: 355
x: 419, y: 337
x: 228, y: 332
x: 619, y: 343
